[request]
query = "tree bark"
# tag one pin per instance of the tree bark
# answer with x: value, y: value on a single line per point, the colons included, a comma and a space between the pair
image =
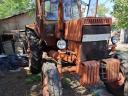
x: 122, y: 39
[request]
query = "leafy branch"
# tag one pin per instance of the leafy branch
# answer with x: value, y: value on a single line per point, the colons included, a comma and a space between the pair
x: 13, y: 7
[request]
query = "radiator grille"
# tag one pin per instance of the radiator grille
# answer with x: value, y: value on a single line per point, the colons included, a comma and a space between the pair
x: 97, y: 21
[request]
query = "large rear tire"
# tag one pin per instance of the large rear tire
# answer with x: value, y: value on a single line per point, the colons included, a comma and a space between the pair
x: 35, y: 62
x: 36, y: 48
x: 51, y: 80
x: 120, y: 88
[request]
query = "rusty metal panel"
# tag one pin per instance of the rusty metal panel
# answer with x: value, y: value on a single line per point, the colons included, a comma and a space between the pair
x: 94, y: 50
x: 111, y: 72
x: 96, y: 29
x: 90, y: 73
x: 73, y: 28
x: 97, y: 21
x: 76, y: 48
x: 95, y: 42
x: 31, y: 26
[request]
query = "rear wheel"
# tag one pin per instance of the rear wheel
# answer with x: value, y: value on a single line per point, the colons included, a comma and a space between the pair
x: 35, y: 47
x: 35, y: 62
x: 120, y: 87
x: 50, y: 80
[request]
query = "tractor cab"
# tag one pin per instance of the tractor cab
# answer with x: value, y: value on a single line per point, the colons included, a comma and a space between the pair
x: 72, y: 9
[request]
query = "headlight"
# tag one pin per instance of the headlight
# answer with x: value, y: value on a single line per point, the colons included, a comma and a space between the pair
x: 114, y: 39
x: 61, y: 44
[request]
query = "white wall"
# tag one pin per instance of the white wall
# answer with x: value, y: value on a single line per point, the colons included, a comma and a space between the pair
x: 16, y: 22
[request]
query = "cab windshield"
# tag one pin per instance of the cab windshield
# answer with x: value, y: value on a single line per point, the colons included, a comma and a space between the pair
x: 70, y: 9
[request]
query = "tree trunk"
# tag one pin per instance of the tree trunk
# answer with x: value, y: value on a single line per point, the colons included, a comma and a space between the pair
x: 126, y: 36
x: 122, y: 37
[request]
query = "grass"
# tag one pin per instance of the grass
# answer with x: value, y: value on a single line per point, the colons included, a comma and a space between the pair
x: 33, y: 78
x: 93, y: 94
x: 126, y: 51
x: 66, y: 80
x: 118, y: 50
x: 122, y: 51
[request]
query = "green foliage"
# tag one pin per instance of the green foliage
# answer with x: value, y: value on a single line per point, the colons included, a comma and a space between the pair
x: 13, y: 7
x: 102, y: 10
x: 33, y: 78
x: 121, y: 13
x: 115, y: 27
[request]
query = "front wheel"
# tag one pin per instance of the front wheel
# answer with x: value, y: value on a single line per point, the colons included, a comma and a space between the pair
x: 51, y: 82
x: 120, y: 87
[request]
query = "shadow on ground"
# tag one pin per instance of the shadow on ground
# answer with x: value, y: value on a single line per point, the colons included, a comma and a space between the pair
x: 23, y: 84
x: 16, y: 84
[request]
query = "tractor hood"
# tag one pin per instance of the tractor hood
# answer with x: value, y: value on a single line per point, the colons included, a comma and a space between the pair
x: 75, y: 29
x: 89, y: 36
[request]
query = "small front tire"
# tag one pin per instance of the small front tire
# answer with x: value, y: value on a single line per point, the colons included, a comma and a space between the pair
x: 51, y: 80
x: 120, y: 88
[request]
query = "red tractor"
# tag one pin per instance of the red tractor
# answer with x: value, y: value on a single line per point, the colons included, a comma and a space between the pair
x: 63, y: 40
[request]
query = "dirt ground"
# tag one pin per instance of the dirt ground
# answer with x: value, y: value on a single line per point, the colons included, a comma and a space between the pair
x: 18, y: 84
x: 15, y: 84
x: 122, y: 47
x: 21, y: 84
